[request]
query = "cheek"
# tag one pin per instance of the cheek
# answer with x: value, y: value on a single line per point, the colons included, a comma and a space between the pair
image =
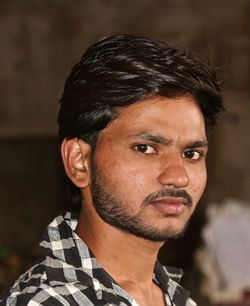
x: 198, y: 183
x: 128, y: 181
x: 128, y: 178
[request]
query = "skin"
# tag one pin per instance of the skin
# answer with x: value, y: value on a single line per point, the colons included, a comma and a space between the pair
x: 151, y: 146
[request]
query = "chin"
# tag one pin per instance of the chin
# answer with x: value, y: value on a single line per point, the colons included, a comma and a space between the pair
x: 173, y: 232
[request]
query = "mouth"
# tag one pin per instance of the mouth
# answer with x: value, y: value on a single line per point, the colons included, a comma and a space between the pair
x: 171, y: 205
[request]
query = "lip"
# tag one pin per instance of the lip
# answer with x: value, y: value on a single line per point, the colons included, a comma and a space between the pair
x: 171, y: 205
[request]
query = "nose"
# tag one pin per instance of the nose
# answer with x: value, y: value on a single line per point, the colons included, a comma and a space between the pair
x: 173, y: 173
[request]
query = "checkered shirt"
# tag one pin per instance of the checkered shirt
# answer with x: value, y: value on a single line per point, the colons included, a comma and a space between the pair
x: 69, y: 274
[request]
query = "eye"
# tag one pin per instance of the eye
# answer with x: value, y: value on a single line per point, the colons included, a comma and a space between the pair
x: 145, y: 148
x: 192, y: 154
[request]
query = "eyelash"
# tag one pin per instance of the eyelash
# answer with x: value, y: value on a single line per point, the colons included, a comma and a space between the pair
x: 201, y: 154
x: 147, y: 146
x: 136, y: 147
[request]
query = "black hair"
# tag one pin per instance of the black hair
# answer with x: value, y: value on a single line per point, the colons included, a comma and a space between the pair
x: 120, y: 70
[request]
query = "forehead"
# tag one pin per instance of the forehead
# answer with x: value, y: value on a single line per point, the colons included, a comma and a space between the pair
x: 177, y: 118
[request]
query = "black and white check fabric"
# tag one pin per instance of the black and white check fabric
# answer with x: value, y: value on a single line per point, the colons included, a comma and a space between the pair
x: 69, y: 274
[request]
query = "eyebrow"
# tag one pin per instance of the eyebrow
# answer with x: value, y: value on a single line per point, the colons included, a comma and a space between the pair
x: 154, y: 138
x: 197, y: 144
x: 163, y: 140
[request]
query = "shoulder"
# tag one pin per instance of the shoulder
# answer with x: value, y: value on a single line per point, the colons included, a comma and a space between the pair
x: 33, y: 288
x: 25, y: 286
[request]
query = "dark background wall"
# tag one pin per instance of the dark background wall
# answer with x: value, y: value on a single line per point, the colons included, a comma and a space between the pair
x: 42, y: 39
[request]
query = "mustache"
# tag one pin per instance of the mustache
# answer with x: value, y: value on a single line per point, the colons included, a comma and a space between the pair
x: 168, y: 193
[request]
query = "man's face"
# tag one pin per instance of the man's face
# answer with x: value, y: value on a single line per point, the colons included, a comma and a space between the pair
x: 149, y: 169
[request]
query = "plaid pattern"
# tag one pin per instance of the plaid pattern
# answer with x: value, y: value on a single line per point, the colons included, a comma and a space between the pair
x: 69, y: 274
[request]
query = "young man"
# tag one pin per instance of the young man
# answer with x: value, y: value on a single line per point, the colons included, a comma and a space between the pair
x: 133, y: 122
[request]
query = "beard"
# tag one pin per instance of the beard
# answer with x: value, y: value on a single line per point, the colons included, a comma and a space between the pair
x: 114, y: 211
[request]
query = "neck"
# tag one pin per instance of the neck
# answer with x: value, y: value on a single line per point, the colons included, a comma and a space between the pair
x: 124, y: 256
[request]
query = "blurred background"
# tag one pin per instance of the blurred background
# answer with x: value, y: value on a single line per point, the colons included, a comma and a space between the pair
x: 40, y: 42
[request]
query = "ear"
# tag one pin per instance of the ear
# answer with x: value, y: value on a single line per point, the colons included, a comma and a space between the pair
x: 76, y: 159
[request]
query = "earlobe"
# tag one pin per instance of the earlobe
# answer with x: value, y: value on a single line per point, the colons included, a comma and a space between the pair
x: 76, y: 159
